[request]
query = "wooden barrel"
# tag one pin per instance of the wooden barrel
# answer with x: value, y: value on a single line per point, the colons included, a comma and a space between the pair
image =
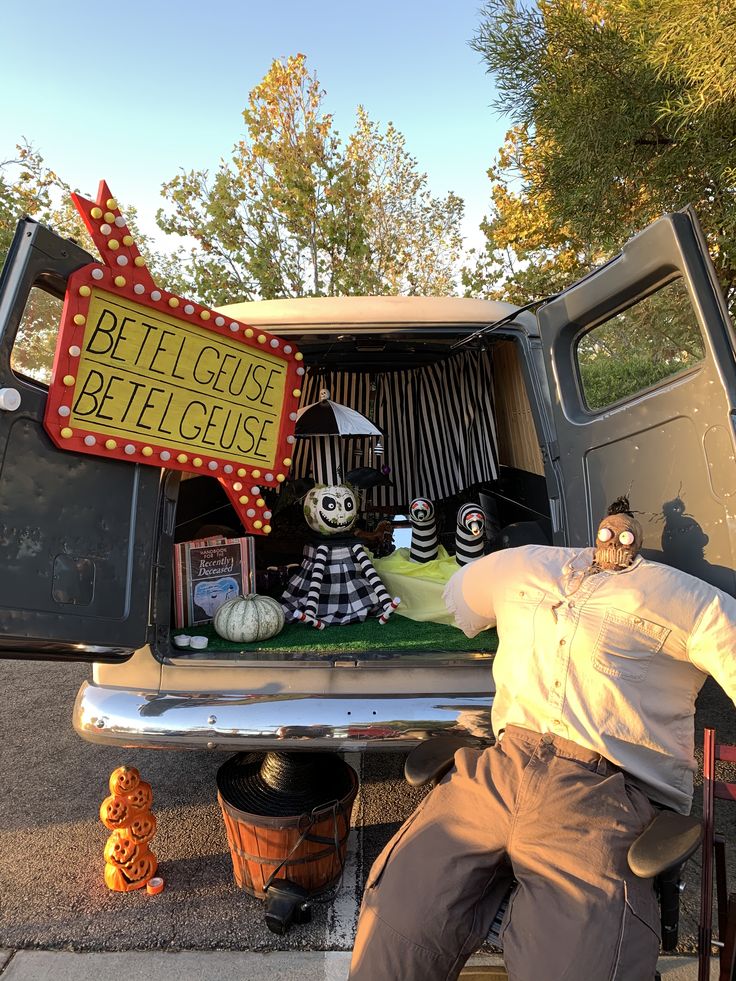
x: 311, y: 845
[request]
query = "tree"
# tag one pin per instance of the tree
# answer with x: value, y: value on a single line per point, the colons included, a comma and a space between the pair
x: 414, y: 237
x: 527, y: 254
x: 296, y: 212
x: 29, y: 187
x: 623, y: 109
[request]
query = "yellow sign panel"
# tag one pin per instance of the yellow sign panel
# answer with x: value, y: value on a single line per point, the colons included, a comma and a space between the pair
x: 147, y: 376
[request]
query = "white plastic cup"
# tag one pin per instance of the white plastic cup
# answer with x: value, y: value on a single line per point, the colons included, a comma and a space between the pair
x: 9, y: 399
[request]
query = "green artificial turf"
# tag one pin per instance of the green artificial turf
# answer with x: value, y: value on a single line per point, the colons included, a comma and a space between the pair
x: 398, y: 634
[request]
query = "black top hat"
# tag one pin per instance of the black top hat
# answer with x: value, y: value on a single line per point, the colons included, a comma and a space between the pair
x: 283, y: 784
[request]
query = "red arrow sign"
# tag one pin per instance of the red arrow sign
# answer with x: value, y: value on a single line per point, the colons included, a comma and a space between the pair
x: 143, y: 375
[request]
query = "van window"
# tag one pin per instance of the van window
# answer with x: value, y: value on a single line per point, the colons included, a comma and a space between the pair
x: 652, y: 340
x: 32, y: 355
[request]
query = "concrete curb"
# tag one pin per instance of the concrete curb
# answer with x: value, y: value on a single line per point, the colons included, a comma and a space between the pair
x: 227, y: 965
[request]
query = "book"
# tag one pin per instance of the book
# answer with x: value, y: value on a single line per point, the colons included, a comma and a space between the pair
x: 207, y: 573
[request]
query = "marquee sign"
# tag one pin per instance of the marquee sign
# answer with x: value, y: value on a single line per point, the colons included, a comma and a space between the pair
x: 142, y: 375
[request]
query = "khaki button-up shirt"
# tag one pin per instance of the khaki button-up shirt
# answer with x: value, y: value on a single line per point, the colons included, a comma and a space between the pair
x: 613, y: 660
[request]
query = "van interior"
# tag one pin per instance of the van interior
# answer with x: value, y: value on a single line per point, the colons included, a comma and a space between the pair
x: 457, y: 428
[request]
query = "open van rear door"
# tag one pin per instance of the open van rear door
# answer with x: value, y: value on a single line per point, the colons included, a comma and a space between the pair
x: 77, y: 533
x: 640, y: 360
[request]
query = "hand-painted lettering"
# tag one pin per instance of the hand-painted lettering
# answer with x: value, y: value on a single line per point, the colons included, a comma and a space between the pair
x: 169, y: 381
x: 106, y: 326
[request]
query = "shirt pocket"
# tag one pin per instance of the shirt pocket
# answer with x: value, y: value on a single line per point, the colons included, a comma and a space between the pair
x: 626, y: 644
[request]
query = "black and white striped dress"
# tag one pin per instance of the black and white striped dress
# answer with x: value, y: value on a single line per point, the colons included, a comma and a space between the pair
x: 336, y: 584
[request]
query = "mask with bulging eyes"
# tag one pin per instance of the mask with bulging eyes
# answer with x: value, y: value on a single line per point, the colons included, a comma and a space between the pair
x: 618, y: 541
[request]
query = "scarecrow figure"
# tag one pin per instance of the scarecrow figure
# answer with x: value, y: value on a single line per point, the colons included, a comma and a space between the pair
x: 336, y: 582
x: 601, y: 655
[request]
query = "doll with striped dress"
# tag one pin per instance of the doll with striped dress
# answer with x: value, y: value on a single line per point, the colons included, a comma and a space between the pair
x: 336, y: 582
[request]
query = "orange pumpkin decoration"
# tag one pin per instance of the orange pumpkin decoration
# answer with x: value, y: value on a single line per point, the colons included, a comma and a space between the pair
x: 135, y: 875
x: 142, y: 868
x: 114, y: 812
x: 129, y: 863
x: 140, y: 797
x: 121, y: 848
x: 124, y: 779
x: 143, y: 828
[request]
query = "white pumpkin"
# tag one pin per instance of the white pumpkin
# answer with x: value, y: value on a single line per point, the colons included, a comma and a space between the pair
x: 249, y: 618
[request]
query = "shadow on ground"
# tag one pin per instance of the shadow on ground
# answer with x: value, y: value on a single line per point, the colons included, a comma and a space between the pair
x: 52, y: 893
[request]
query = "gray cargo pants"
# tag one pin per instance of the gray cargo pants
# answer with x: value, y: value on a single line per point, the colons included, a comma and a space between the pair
x: 564, y: 817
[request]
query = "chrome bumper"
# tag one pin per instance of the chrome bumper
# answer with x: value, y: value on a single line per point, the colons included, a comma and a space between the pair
x: 162, y: 720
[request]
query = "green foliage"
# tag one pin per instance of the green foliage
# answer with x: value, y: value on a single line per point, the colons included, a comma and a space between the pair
x: 29, y: 187
x: 414, y: 238
x: 297, y: 212
x: 623, y: 110
x: 639, y: 347
x: 606, y: 380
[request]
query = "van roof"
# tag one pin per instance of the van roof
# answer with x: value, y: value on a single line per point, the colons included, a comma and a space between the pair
x: 368, y: 310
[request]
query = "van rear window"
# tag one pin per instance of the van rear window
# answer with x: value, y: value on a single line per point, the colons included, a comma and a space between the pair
x: 639, y: 347
x: 32, y: 355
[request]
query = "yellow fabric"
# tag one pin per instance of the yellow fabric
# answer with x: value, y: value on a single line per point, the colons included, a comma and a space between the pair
x: 418, y: 584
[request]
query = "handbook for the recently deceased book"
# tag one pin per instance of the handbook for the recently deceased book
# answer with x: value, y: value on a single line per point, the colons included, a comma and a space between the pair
x: 207, y: 572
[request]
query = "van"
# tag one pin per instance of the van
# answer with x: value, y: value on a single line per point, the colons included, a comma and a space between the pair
x: 625, y: 383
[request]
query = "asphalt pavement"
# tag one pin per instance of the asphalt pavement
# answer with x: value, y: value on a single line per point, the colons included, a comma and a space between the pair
x: 52, y: 893
x: 57, y: 918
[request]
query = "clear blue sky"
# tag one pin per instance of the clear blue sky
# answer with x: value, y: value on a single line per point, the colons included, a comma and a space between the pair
x: 135, y: 90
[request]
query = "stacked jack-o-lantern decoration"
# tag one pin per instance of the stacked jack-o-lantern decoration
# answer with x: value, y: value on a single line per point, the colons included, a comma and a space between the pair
x: 129, y: 863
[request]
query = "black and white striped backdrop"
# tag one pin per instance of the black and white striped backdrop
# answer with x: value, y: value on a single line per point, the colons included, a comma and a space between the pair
x: 437, y: 420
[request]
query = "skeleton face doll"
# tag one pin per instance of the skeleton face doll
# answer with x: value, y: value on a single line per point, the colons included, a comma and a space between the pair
x: 331, y: 510
x: 618, y: 541
x: 336, y: 582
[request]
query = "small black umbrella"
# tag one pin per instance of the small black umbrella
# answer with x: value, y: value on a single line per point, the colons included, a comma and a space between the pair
x: 328, y: 423
x: 328, y: 418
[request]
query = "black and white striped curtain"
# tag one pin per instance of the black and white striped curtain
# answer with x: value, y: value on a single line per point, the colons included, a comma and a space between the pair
x: 438, y: 425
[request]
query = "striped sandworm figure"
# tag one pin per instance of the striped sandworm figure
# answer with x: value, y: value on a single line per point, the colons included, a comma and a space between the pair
x: 469, y: 533
x: 424, y: 541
